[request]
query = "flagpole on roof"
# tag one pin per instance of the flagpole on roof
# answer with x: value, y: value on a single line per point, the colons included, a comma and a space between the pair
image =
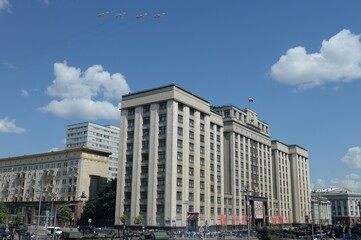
x: 250, y: 100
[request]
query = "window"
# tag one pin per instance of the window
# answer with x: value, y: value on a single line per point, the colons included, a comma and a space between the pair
x: 130, y: 134
x: 202, y: 173
x: 180, y: 131
x: 202, y: 161
x: 146, y: 132
x: 191, y: 147
x: 146, y: 108
x: 179, y: 195
x: 179, y: 182
x: 191, y: 134
x: 202, y: 127
x: 129, y: 146
x: 162, y: 117
x: 191, y: 111
x: 179, y: 169
x: 191, y: 184
x: 191, y: 171
x: 191, y: 122
x: 179, y: 155
x: 191, y: 159
x: 161, y: 155
x: 202, y: 138
x: 130, y: 122
x: 202, y: 149
x: 180, y: 107
x: 180, y: 118
x: 162, y: 130
x: 146, y: 120
x: 145, y: 144
x: 162, y: 105
x: 131, y: 111
x: 162, y: 142
x: 180, y: 143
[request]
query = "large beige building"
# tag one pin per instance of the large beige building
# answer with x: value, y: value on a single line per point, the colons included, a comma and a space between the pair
x: 171, y: 159
x: 50, y: 180
x: 291, y: 184
x: 183, y: 162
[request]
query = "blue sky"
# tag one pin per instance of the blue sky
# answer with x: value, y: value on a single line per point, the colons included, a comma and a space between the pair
x: 61, y: 63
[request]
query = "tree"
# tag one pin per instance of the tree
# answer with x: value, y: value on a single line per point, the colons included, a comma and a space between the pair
x: 18, y: 219
x: 4, y: 213
x: 138, y: 220
x: 123, y: 219
x: 101, y: 206
x: 64, y: 214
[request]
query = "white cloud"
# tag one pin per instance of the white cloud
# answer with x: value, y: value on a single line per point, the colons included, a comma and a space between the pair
x: 86, y: 95
x: 351, y: 181
x: 5, y: 5
x: 352, y: 157
x: 320, y: 183
x: 55, y: 149
x: 8, y: 126
x: 24, y: 93
x: 339, y: 60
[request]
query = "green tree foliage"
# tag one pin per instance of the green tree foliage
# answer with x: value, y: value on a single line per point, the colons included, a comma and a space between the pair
x: 124, y: 219
x: 64, y: 214
x: 138, y: 220
x: 101, y: 207
x: 18, y: 219
x: 4, y: 214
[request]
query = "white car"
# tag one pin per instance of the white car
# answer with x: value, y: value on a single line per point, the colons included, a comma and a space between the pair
x: 50, y: 230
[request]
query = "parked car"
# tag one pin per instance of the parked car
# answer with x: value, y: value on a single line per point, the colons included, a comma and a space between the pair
x: 87, y: 229
x: 51, y: 230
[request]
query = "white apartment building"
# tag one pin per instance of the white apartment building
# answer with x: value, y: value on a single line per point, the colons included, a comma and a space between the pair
x: 91, y: 135
x: 51, y: 179
x: 183, y: 161
x: 291, y: 184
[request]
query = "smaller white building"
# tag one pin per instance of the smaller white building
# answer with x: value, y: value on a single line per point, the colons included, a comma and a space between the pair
x: 91, y: 135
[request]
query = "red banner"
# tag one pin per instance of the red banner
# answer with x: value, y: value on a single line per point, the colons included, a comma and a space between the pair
x: 280, y: 219
x: 274, y: 220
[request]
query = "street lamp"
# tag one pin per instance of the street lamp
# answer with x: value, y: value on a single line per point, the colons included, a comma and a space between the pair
x: 82, y: 196
x: 39, y: 212
x: 186, y: 203
x: 359, y: 209
x: 246, y: 192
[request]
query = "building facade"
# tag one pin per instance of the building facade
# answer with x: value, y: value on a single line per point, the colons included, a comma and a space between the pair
x: 170, y: 160
x: 184, y: 162
x: 247, y: 164
x: 345, y: 205
x: 91, y: 135
x: 50, y: 180
x: 291, y: 183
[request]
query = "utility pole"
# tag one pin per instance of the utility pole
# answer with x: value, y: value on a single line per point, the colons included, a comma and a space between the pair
x: 246, y: 192
x: 39, y: 213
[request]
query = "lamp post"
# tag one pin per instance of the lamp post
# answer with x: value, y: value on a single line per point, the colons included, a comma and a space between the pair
x: 359, y: 209
x: 39, y: 212
x: 186, y: 203
x: 246, y: 192
x: 82, y: 196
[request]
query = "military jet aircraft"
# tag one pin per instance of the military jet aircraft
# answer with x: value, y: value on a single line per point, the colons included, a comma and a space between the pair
x: 103, y: 14
x: 120, y: 14
x: 158, y: 15
x: 141, y: 16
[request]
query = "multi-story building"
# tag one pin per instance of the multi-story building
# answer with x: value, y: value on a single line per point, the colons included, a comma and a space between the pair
x: 50, y: 180
x: 291, y: 183
x: 171, y: 159
x: 345, y: 205
x: 182, y: 160
x: 247, y: 164
x: 91, y: 135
